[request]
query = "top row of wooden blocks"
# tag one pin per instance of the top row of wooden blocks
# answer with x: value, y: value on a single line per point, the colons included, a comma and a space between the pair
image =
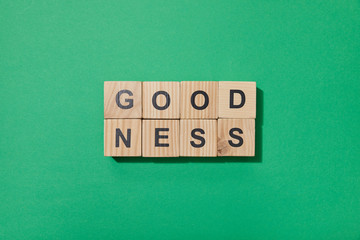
x: 179, y: 100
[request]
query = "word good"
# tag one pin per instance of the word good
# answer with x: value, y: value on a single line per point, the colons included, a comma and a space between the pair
x: 172, y: 119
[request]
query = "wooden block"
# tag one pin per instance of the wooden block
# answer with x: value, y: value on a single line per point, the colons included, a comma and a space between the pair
x: 199, y: 100
x: 160, y: 138
x: 237, y: 99
x: 236, y: 137
x: 198, y: 138
x: 122, y: 99
x: 161, y: 100
x: 122, y: 137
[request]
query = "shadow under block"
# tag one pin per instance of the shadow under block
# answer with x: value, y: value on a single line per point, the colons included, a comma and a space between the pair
x: 160, y: 138
x: 236, y: 137
x: 198, y: 138
x: 199, y: 100
x: 161, y: 100
x: 122, y: 99
x: 237, y: 99
x: 122, y: 137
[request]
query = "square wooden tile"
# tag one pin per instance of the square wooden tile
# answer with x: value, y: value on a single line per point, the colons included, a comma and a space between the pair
x: 199, y: 100
x: 122, y: 137
x: 161, y: 100
x: 237, y: 99
x: 236, y: 137
x: 198, y: 138
x: 160, y: 138
x: 122, y: 99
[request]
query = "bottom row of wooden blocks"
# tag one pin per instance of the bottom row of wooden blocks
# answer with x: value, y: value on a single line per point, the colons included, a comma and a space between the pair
x: 174, y: 138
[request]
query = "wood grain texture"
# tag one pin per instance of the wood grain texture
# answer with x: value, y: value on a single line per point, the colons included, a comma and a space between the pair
x: 248, y: 110
x: 172, y: 110
x: 153, y: 146
x: 236, y: 148
x: 110, y: 137
x: 187, y: 111
x: 209, y: 127
x: 111, y: 108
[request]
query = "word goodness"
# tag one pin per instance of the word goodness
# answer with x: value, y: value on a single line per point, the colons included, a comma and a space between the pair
x: 172, y: 119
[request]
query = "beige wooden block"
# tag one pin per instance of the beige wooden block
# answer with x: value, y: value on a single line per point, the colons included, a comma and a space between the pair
x: 161, y: 100
x: 122, y: 137
x: 160, y: 138
x: 237, y: 99
x: 236, y: 137
x: 199, y: 100
x: 122, y: 99
x: 198, y: 138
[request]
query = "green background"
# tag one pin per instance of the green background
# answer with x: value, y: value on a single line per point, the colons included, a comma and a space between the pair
x: 55, y: 182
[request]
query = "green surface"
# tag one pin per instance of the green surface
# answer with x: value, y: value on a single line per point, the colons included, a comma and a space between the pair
x: 55, y: 182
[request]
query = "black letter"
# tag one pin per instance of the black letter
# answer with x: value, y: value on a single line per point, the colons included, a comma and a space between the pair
x: 197, y: 137
x: 120, y: 134
x: 157, y: 137
x: 167, y: 96
x: 130, y: 101
x: 206, y: 102
x: 231, y: 133
x: 242, y: 94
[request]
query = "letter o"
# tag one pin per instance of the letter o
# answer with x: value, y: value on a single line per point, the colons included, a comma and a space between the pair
x: 167, y: 96
x: 206, y: 102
